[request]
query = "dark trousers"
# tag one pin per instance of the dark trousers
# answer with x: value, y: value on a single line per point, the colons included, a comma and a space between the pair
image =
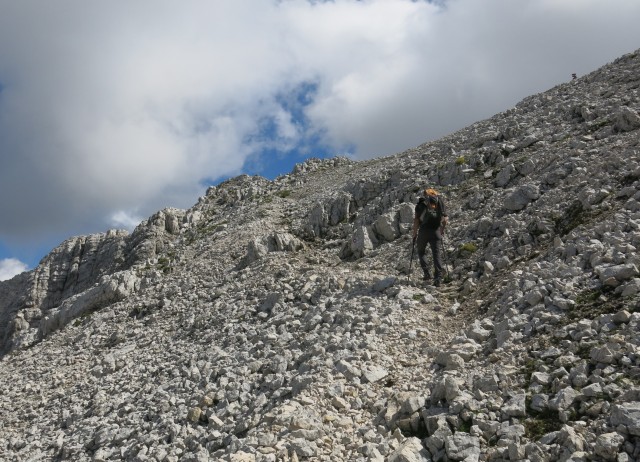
x: 434, y: 239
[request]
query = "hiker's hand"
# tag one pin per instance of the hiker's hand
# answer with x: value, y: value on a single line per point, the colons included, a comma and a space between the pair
x: 445, y: 220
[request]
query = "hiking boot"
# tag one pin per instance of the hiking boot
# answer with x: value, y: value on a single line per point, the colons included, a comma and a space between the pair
x: 436, y: 282
x: 426, y: 277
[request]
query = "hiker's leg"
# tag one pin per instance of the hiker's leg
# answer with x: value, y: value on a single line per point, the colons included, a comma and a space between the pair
x: 436, y: 250
x: 421, y: 247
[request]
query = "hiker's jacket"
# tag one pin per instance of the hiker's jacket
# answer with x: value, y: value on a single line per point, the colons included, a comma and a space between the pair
x: 429, y: 213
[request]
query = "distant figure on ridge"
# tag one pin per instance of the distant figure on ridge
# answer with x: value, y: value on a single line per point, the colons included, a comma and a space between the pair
x: 428, y: 227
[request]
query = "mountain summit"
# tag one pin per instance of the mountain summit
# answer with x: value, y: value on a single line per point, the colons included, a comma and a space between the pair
x: 280, y: 321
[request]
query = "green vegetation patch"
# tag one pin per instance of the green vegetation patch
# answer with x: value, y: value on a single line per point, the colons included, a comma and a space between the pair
x: 592, y: 303
x: 584, y: 351
x: 469, y: 247
x: 541, y: 423
x: 164, y: 265
x: 572, y: 218
x: 465, y: 426
x: 140, y: 312
x: 598, y: 124
x: 588, y: 296
x: 529, y: 368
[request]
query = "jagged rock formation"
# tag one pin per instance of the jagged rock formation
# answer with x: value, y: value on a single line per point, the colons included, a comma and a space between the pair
x: 81, y: 275
x: 275, y: 320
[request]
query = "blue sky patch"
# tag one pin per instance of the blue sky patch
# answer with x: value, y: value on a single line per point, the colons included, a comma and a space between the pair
x: 276, y: 149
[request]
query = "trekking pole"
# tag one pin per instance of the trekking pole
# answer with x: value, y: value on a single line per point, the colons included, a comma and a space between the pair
x: 413, y: 248
x: 444, y: 256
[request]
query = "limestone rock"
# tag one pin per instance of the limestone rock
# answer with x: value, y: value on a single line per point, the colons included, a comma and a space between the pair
x: 277, y: 319
x: 521, y: 197
x: 626, y: 119
x: 627, y: 415
x: 410, y: 451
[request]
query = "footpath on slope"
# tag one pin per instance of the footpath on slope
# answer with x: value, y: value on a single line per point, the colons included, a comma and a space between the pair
x: 424, y: 329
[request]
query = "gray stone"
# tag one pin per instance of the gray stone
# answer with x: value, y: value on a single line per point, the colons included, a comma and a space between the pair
x: 516, y: 406
x: 463, y: 446
x: 608, y: 444
x: 521, y: 197
x: 563, y: 399
x: 374, y: 374
x: 505, y: 175
x: 622, y: 316
x: 539, y: 402
x: 304, y: 448
x: 386, y: 227
x: 241, y: 307
x: 618, y: 272
x: 541, y: 377
x: 360, y: 244
x: 410, y: 451
x: 438, y: 430
x: 535, y: 453
x: 384, y: 284
x: 606, y: 354
x: 626, y: 119
x: 627, y: 415
x: 592, y: 391
x: 478, y: 333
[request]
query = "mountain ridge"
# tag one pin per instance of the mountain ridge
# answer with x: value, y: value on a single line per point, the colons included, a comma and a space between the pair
x: 276, y: 320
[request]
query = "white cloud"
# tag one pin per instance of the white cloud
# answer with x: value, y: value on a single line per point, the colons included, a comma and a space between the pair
x: 125, y: 220
x: 9, y: 267
x: 116, y: 105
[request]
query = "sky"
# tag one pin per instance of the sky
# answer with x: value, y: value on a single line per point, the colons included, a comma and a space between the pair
x: 111, y: 110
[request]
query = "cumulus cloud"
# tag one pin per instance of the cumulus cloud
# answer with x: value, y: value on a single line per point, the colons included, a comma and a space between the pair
x: 125, y: 220
x: 9, y: 267
x: 110, y: 111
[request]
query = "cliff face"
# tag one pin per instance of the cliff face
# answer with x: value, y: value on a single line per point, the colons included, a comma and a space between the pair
x: 35, y: 302
x: 279, y: 320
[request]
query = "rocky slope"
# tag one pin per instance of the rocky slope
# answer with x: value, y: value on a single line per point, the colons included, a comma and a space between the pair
x: 277, y: 320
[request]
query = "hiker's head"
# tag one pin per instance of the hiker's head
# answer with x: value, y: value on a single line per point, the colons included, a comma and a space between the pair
x: 431, y: 195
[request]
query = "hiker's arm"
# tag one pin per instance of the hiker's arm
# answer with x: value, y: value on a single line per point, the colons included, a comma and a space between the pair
x: 445, y: 217
x: 416, y: 225
x: 416, y: 219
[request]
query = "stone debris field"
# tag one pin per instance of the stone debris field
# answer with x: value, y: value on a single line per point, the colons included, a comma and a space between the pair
x: 284, y: 320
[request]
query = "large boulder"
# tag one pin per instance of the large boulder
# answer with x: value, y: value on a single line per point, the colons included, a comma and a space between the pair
x: 386, y: 227
x: 626, y: 119
x: 410, y: 451
x: 521, y: 197
x: 626, y: 416
x: 361, y: 243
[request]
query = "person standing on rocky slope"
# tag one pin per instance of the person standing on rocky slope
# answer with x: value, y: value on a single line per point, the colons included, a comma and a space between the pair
x: 428, y: 227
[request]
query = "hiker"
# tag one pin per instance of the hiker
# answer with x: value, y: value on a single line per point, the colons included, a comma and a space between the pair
x: 428, y: 226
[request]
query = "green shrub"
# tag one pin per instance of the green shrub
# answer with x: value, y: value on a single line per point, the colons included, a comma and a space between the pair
x: 164, y: 265
x: 469, y: 247
x: 542, y: 423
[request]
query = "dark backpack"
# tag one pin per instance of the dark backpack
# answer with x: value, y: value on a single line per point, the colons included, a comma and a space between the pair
x: 432, y: 212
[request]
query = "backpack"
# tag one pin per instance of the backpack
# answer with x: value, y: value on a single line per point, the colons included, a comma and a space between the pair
x: 432, y: 212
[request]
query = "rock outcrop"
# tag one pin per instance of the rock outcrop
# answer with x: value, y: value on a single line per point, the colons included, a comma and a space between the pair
x: 83, y: 272
x: 279, y: 321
